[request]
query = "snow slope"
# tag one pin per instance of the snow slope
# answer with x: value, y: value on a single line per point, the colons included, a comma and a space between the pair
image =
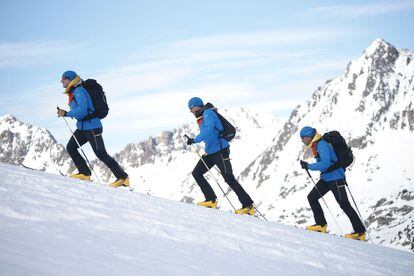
x: 51, y: 225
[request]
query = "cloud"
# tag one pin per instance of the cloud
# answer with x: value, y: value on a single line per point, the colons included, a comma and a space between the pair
x: 163, y: 111
x: 124, y: 82
x: 321, y: 65
x: 36, y: 52
x: 361, y: 9
x: 150, y: 92
x: 209, y: 58
x: 276, y: 106
x: 157, y: 109
x: 193, y: 62
x: 254, y: 39
x: 185, y: 71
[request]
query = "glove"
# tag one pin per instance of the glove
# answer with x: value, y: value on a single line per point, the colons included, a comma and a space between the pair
x: 61, y: 112
x: 304, y: 164
x: 190, y: 141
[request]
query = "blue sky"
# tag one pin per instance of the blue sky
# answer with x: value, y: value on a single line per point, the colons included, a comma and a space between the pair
x: 152, y: 56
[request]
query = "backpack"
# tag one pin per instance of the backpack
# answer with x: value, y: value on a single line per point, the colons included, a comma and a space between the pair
x: 229, y: 131
x: 342, y: 151
x: 98, y: 98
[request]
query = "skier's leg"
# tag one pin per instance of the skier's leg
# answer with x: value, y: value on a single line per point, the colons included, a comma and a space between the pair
x: 339, y: 191
x: 313, y: 197
x: 95, y: 139
x: 198, y: 174
x: 72, y: 148
x: 222, y: 160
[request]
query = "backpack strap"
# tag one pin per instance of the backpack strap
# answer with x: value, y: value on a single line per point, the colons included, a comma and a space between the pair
x: 335, y: 165
x: 91, y: 113
x: 314, y: 147
x: 210, y: 106
x: 71, y: 97
x: 219, y: 132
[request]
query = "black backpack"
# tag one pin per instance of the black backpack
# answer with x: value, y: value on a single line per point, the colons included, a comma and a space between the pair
x: 342, y: 151
x: 229, y: 131
x: 98, y: 98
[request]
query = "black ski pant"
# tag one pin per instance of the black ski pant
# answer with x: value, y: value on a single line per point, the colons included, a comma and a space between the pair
x: 338, y: 189
x: 94, y: 137
x: 222, y: 161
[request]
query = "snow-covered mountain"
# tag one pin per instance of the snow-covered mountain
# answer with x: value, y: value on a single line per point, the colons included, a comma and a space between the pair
x: 371, y: 104
x: 52, y: 225
x: 31, y: 146
x: 162, y: 165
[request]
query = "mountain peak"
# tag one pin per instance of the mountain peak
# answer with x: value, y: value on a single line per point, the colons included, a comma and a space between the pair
x: 380, y: 48
x: 8, y: 117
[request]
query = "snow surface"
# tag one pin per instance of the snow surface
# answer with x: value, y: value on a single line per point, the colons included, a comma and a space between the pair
x: 52, y: 225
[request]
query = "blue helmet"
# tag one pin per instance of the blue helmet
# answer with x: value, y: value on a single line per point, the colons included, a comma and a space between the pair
x: 195, y: 102
x: 70, y: 75
x: 307, y: 131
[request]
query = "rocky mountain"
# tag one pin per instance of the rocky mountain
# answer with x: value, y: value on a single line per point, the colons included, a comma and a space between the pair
x: 31, y: 146
x: 371, y: 104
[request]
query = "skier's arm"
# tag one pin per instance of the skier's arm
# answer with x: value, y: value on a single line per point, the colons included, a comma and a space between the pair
x: 208, y: 128
x: 81, y: 110
x: 325, y: 158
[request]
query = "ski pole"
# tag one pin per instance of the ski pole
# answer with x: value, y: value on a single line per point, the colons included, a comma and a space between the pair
x: 356, y: 207
x: 360, y: 216
x: 260, y: 214
x: 314, y: 184
x: 212, y: 176
x: 254, y: 206
x: 77, y: 142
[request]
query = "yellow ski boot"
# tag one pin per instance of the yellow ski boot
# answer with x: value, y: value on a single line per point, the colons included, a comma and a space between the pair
x: 81, y: 176
x: 356, y: 236
x: 317, y: 228
x: 120, y: 182
x: 249, y: 210
x: 209, y: 204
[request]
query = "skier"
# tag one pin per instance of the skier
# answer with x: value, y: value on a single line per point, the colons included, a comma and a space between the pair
x: 334, y: 181
x: 217, y: 153
x: 81, y: 105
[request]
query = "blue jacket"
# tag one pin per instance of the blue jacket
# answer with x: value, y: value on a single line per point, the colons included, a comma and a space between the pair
x: 326, y: 157
x: 209, y: 133
x: 80, y: 107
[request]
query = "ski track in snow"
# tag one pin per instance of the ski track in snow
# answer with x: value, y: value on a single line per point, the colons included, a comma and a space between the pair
x: 52, y: 225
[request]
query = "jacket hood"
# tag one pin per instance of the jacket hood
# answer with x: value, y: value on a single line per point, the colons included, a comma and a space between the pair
x: 75, y: 82
x: 316, y: 138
